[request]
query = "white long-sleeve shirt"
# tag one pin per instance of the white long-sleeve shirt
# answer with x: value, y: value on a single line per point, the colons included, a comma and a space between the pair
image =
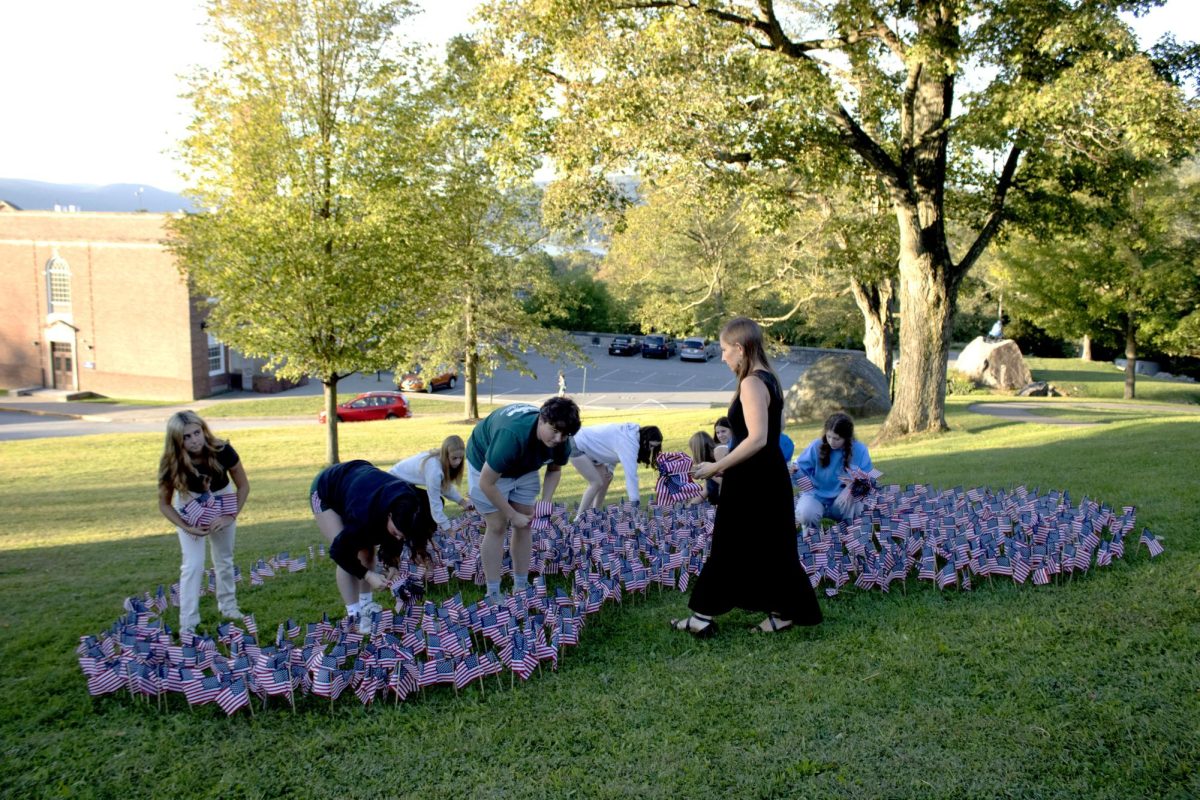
x: 425, y: 470
x: 611, y: 444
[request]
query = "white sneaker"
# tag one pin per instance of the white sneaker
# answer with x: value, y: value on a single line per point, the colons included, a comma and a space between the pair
x: 364, y: 624
x: 367, y: 609
x: 233, y: 613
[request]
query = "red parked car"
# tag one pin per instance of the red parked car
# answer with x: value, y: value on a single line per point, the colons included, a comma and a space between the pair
x: 372, y: 405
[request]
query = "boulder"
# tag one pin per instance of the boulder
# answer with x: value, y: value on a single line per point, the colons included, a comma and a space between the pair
x: 838, y: 383
x: 996, y: 364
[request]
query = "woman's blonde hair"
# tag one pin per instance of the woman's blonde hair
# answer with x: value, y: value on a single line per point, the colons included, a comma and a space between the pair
x: 450, y: 475
x: 702, y: 446
x: 176, y: 464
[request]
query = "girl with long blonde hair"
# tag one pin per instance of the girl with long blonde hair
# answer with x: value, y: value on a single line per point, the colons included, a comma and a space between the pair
x: 195, y: 468
x: 439, y: 470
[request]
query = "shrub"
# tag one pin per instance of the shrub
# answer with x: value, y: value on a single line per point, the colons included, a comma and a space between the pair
x: 959, y: 382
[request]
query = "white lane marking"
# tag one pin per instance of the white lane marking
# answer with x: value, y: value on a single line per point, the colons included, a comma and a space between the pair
x: 647, y: 402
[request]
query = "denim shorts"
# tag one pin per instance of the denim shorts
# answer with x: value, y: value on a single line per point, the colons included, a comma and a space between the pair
x: 523, y: 489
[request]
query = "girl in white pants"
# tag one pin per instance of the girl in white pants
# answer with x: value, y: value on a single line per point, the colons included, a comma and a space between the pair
x: 196, y: 465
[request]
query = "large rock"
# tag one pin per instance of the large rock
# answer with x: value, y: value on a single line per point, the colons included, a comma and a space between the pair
x: 996, y: 364
x: 839, y: 383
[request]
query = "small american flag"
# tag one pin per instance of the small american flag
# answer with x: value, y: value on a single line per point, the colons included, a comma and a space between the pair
x: 233, y: 696
x: 1152, y: 544
x: 203, y: 691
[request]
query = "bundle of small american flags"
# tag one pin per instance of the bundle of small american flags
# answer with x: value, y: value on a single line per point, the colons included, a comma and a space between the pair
x: 950, y: 537
x: 675, y: 484
x: 857, y: 484
x: 201, y: 511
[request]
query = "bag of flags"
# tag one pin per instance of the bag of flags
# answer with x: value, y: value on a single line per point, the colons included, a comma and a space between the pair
x: 857, y: 486
x: 675, y: 483
x: 202, y: 510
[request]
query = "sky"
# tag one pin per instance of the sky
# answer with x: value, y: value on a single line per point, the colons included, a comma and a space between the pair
x: 90, y: 92
x: 91, y: 88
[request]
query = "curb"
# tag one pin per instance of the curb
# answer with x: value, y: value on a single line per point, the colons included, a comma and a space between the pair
x: 37, y: 412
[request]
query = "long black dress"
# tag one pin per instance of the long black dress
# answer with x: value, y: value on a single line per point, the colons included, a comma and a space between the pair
x: 753, y: 563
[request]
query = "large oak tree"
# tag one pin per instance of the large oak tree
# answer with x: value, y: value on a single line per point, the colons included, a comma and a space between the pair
x: 966, y: 113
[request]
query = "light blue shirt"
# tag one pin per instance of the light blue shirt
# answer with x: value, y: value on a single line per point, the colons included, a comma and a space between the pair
x: 825, y: 480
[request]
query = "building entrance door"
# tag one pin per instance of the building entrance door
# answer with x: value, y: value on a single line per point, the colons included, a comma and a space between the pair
x: 64, y: 372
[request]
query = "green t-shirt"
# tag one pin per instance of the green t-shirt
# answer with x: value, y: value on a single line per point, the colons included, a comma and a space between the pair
x: 507, y: 442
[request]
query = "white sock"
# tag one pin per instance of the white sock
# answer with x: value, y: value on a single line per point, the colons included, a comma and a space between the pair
x: 352, y: 609
x: 364, y: 598
x: 520, y: 583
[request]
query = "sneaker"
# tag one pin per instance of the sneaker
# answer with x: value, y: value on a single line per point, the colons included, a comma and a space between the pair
x: 364, y: 624
x: 367, y: 609
x: 232, y: 613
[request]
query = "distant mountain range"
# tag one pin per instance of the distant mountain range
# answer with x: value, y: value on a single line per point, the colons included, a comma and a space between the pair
x: 39, y: 196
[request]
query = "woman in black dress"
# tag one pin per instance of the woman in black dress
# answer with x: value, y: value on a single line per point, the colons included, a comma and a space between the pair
x: 753, y: 562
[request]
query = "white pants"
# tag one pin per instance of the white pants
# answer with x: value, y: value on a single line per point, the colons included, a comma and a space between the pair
x: 191, y: 570
x: 810, y: 509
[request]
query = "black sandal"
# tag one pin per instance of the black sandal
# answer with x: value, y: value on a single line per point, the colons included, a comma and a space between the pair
x: 778, y: 625
x: 706, y: 630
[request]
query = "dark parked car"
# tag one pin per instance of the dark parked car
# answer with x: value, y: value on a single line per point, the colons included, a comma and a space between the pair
x: 695, y: 349
x: 624, y: 346
x: 657, y: 346
x: 372, y: 405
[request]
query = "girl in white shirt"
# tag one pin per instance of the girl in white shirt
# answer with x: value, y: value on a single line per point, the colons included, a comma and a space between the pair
x: 438, y: 471
x: 596, y: 450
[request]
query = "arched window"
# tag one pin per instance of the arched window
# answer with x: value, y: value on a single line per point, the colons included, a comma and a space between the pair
x: 58, y: 286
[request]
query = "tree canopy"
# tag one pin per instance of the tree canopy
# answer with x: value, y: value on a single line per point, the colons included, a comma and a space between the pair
x: 1132, y: 276
x: 965, y: 114
x: 302, y: 149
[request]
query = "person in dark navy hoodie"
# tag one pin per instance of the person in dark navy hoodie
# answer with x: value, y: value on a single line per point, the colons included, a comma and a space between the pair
x: 358, y: 508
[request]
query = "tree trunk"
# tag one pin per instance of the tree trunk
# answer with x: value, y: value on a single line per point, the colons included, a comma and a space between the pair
x: 1130, y: 360
x: 1085, y: 348
x: 471, y: 389
x: 470, y: 364
x: 874, y: 301
x: 331, y: 420
x: 928, y: 292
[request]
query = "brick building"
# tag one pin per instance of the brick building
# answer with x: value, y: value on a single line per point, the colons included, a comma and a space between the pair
x: 94, y: 302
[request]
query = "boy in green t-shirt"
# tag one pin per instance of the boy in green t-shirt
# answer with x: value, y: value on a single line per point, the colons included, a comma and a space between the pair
x: 504, y: 455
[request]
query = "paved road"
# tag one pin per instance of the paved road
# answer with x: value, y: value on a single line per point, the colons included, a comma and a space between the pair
x: 606, y: 382
x: 21, y: 425
x: 1024, y: 412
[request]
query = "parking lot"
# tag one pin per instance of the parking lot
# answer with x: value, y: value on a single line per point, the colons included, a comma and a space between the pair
x: 622, y: 381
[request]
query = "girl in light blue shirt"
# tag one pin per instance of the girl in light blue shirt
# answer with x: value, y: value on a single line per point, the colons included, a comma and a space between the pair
x: 824, y: 463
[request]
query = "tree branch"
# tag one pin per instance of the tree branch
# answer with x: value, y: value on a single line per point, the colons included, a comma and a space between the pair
x: 996, y: 210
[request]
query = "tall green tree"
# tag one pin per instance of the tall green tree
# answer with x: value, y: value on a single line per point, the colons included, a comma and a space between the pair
x: 582, y: 301
x: 991, y: 98
x: 301, y: 151
x: 694, y: 253
x: 493, y: 291
x: 1132, y: 275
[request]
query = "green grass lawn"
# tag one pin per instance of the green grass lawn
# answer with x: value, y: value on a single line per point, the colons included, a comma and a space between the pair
x: 1088, y: 688
x: 1102, y: 381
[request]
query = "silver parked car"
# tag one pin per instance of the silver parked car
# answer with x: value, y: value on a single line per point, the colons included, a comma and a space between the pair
x: 696, y: 349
